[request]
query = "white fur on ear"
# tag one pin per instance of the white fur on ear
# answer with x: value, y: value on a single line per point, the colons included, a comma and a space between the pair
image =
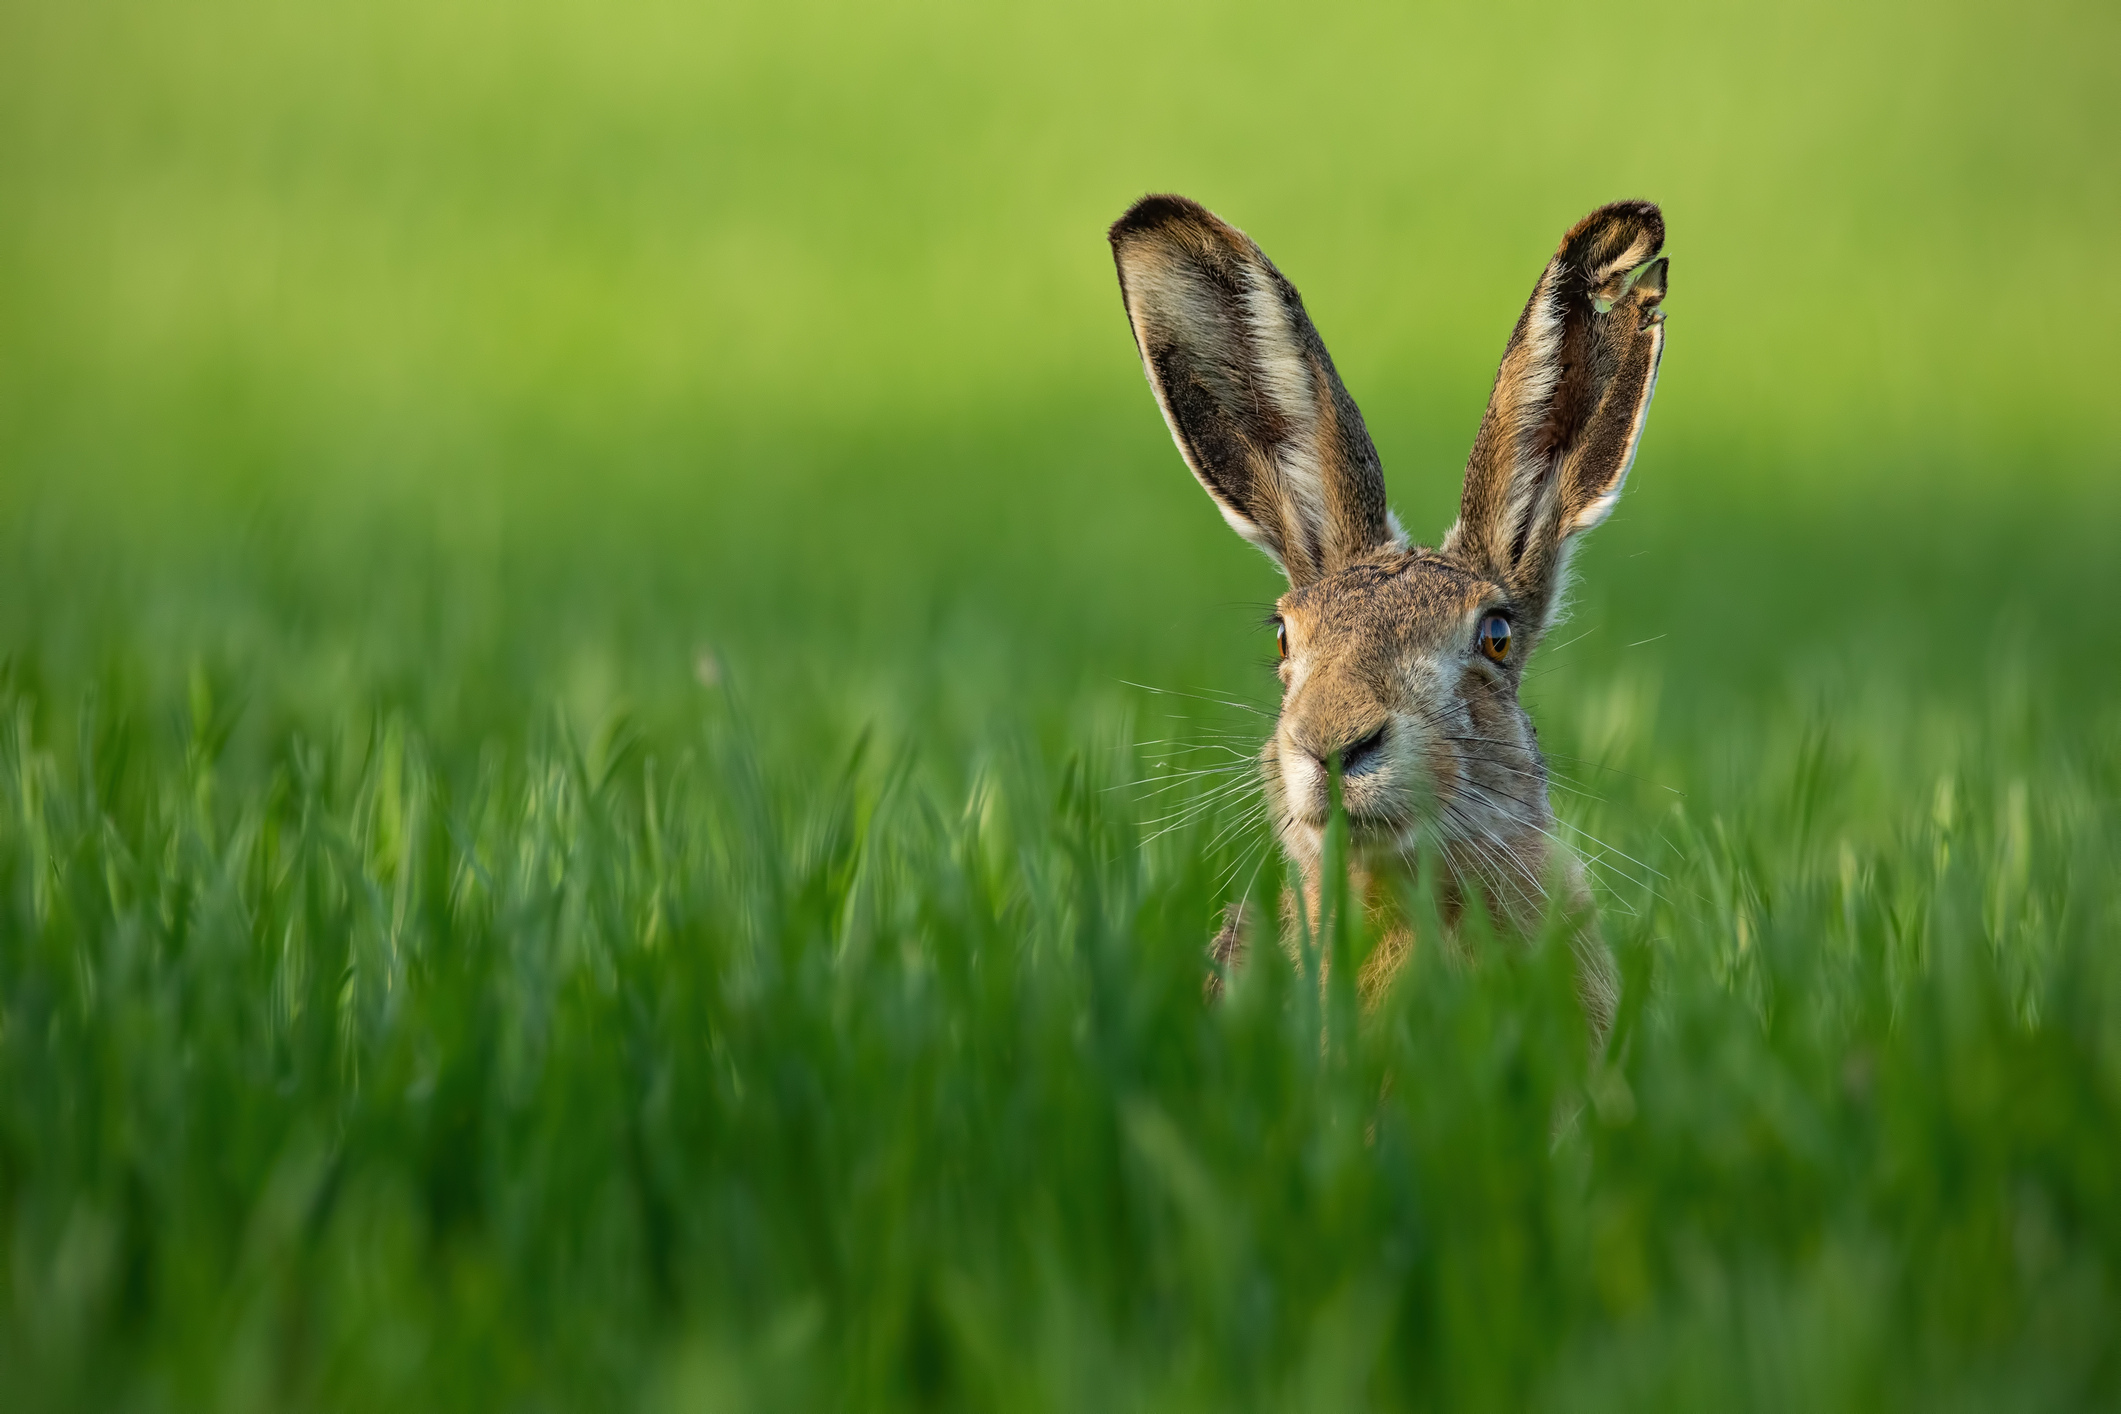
x: 1570, y: 401
x: 1234, y: 518
x: 1161, y: 285
x: 1248, y: 391
x: 1280, y: 367
x: 1538, y: 375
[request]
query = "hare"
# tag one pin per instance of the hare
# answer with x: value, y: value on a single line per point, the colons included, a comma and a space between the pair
x: 1399, y: 662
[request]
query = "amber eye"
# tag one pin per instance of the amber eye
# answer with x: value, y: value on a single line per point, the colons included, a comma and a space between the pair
x: 1281, y: 638
x: 1495, y: 637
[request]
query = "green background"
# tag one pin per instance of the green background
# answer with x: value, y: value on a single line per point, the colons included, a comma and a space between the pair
x: 737, y: 323
x: 428, y: 426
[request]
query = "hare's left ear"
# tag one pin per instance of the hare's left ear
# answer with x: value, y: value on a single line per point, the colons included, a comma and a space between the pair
x: 1568, y: 406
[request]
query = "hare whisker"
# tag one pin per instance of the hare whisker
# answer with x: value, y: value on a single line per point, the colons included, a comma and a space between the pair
x: 1199, y: 697
x: 1556, y: 839
x: 1196, y: 810
x: 1497, y: 851
x: 1161, y: 825
x: 1549, y: 779
x: 1207, y: 800
x: 1174, y: 746
x: 1231, y: 829
x: 1552, y: 756
x: 1174, y: 778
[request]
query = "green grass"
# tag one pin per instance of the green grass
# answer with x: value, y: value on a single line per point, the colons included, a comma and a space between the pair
x: 668, y: 1067
x: 575, y: 833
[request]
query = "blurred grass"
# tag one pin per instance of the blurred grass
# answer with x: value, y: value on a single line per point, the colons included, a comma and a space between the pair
x: 470, y: 475
x: 594, y: 1075
x: 808, y: 304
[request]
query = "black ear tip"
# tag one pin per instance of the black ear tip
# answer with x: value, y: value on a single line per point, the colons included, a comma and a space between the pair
x: 1635, y: 215
x: 1651, y: 220
x: 1155, y: 211
x: 1619, y: 233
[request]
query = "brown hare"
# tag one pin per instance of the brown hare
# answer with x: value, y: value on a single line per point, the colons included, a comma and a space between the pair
x: 1400, y: 661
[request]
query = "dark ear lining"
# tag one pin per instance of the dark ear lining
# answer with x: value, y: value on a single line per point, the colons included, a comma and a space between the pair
x: 1569, y: 404
x: 1248, y: 390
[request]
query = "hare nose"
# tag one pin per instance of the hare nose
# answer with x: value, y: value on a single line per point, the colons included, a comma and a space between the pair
x: 1357, y: 757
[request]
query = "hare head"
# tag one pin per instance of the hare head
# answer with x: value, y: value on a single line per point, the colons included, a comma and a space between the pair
x: 1402, y: 663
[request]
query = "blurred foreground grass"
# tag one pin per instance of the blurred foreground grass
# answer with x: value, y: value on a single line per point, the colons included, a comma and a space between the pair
x: 575, y: 831
x: 672, y: 1070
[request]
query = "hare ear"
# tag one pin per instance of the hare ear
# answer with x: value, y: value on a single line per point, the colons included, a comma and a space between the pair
x: 1248, y: 389
x: 1569, y: 404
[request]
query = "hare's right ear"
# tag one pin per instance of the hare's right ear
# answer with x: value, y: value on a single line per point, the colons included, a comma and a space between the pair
x: 1248, y: 389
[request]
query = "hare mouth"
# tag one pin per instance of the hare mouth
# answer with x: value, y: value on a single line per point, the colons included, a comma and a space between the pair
x: 1369, y: 822
x: 1368, y: 831
x: 1372, y: 840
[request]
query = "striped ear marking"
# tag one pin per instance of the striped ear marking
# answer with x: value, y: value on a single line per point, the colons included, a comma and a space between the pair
x: 1248, y: 390
x: 1569, y: 403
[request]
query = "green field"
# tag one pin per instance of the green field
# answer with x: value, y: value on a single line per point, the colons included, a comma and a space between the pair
x: 603, y: 655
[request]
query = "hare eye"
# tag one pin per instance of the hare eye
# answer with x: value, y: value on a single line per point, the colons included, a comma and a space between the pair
x: 1495, y: 637
x: 1281, y: 638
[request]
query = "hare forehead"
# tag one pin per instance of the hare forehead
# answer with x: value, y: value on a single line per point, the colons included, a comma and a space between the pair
x: 1388, y: 609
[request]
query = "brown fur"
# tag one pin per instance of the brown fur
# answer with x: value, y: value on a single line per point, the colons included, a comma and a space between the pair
x: 1250, y: 393
x: 1561, y: 423
x: 1384, y: 676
